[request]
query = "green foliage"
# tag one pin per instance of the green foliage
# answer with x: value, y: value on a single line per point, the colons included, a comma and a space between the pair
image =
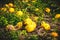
x: 3, y: 21
x: 33, y: 37
x: 11, y: 18
x: 12, y: 35
x: 15, y: 35
x: 23, y: 32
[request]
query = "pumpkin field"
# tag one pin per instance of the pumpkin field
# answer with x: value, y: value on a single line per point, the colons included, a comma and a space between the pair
x: 30, y: 20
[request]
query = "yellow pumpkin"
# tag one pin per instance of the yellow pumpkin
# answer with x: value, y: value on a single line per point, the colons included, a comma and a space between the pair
x: 31, y: 27
x: 36, y: 9
x: 19, y: 13
x: 47, y: 10
x: 54, y: 34
x: 57, y: 16
x: 45, y: 25
x: 27, y: 21
x: 4, y: 9
x: 11, y: 10
x: 19, y: 25
x: 6, y: 5
x: 11, y: 4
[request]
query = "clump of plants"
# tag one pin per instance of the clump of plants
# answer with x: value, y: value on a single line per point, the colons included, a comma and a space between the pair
x: 30, y: 20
